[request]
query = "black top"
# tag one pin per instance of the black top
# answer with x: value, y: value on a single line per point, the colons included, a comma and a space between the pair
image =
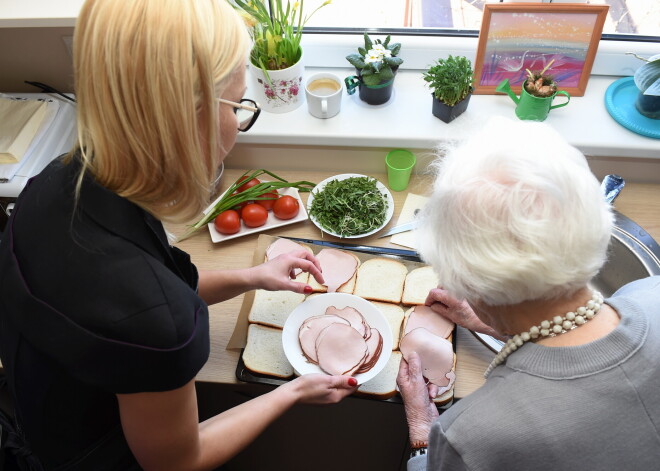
x: 93, y: 302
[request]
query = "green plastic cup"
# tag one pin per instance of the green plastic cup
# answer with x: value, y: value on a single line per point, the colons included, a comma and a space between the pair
x: 400, y: 163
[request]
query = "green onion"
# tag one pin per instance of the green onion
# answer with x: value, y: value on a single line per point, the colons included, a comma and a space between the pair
x: 350, y: 207
x: 231, y: 200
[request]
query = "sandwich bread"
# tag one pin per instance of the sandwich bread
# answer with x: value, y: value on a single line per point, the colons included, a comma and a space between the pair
x: 381, y: 279
x: 264, y: 353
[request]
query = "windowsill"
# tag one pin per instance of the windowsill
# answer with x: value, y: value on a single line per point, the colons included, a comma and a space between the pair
x: 406, y: 121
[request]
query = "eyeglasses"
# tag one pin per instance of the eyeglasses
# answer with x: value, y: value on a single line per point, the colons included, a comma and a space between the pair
x: 247, y: 111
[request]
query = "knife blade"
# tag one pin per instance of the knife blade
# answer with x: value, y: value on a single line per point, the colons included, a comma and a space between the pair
x: 406, y: 254
x: 401, y: 228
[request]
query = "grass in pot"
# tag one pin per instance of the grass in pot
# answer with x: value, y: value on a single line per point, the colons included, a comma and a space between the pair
x: 450, y: 81
x: 376, y: 64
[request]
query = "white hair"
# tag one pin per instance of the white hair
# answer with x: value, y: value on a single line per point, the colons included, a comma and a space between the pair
x: 515, y: 215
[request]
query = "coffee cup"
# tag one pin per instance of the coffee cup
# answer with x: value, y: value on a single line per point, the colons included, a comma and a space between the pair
x: 323, y: 92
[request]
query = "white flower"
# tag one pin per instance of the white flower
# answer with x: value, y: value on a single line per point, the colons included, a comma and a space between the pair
x: 378, y: 47
x: 373, y: 56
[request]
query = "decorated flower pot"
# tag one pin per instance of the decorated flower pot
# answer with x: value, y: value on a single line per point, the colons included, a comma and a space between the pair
x: 282, y: 90
x: 371, y: 94
x: 449, y: 113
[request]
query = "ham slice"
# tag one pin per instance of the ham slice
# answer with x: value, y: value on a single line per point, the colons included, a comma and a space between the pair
x: 338, y: 267
x: 424, y: 316
x: 353, y: 316
x: 374, y: 347
x: 340, y: 349
x: 282, y: 246
x: 435, y: 353
x: 309, y: 331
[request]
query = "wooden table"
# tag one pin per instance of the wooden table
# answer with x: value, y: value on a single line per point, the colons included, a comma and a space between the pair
x: 640, y: 202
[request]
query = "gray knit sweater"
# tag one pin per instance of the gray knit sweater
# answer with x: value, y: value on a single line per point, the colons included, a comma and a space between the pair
x: 590, y: 407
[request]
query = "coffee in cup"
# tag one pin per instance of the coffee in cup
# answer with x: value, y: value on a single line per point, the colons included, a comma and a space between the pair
x: 324, y: 93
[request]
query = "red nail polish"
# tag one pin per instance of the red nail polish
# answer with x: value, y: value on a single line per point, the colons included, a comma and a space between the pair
x: 352, y: 382
x: 308, y: 289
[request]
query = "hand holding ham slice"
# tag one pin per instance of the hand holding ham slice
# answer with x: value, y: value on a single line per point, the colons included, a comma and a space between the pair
x: 435, y: 353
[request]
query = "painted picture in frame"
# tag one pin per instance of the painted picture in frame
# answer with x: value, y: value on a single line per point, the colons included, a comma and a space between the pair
x: 515, y: 37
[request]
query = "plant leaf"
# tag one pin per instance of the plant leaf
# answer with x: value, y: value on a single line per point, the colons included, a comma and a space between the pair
x: 356, y: 61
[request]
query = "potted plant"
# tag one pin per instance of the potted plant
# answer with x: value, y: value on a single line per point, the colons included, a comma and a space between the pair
x: 647, y: 80
x: 538, y: 91
x: 276, y: 57
x: 450, y: 81
x: 376, y: 64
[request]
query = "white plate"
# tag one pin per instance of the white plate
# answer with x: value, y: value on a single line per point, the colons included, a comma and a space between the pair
x: 316, y: 305
x: 271, y: 222
x: 388, y: 196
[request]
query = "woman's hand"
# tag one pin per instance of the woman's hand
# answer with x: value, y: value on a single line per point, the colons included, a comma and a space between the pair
x: 420, y: 410
x: 322, y: 389
x: 278, y: 273
x: 459, y: 312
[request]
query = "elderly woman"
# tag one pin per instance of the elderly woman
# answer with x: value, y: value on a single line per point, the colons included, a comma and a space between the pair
x: 104, y: 325
x: 517, y: 227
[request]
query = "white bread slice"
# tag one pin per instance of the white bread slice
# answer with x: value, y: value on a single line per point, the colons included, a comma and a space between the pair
x: 347, y: 287
x: 303, y: 276
x: 418, y: 284
x: 273, y: 307
x: 381, y: 279
x: 264, y: 353
x: 383, y: 385
x: 394, y: 315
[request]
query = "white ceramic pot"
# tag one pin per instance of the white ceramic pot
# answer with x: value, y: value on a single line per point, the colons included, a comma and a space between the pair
x: 284, y: 91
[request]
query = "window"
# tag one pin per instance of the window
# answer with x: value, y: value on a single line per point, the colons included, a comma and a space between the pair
x: 636, y: 18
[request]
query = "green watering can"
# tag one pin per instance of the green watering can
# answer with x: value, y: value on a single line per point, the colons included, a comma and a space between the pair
x: 530, y: 107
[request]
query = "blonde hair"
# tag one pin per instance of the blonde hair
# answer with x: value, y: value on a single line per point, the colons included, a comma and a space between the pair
x: 147, y: 75
x: 515, y: 215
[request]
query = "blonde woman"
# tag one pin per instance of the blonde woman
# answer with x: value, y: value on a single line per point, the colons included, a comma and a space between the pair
x: 517, y: 226
x: 104, y: 325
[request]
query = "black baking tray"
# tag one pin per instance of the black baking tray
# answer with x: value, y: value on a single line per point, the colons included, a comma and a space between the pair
x: 243, y: 374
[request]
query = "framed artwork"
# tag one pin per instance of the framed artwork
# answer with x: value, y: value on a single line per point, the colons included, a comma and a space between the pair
x: 519, y: 36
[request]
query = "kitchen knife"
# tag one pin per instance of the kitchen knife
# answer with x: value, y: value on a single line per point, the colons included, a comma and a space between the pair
x: 401, y: 228
x: 406, y: 254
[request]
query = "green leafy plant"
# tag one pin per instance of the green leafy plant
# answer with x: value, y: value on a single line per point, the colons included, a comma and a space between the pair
x: 276, y: 30
x: 450, y: 79
x: 231, y: 199
x: 350, y: 207
x: 376, y: 60
x: 647, y: 77
x: 541, y: 84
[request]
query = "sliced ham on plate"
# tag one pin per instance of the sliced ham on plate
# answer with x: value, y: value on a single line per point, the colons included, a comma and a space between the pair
x: 353, y: 316
x: 309, y: 331
x: 340, y: 349
x: 435, y: 353
x: 424, y: 316
x: 337, y: 266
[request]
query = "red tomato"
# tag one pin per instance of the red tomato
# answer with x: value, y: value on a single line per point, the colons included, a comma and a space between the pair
x: 286, y: 207
x: 268, y: 204
x: 246, y: 185
x: 227, y: 222
x: 254, y: 215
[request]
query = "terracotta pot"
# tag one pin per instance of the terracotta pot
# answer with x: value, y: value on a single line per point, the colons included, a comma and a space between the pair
x: 449, y: 113
x: 282, y: 90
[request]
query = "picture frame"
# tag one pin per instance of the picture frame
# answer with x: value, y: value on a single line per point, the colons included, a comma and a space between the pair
x: 519, y: 36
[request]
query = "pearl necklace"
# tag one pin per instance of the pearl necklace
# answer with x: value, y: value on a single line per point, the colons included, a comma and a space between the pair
x: 558, y: 325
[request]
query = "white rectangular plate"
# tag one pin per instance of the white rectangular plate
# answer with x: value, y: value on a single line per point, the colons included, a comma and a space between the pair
x: 271, y: 223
